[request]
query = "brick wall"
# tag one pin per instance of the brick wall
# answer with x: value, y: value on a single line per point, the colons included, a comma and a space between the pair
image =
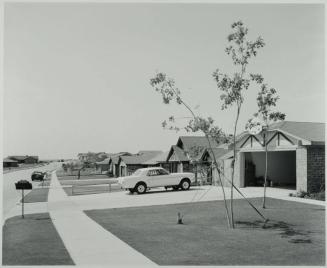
x: 301, y: 169
x: 315, y: 167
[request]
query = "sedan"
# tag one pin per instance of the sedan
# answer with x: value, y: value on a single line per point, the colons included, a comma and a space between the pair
x: 145, y: 178
x: 38, y: 176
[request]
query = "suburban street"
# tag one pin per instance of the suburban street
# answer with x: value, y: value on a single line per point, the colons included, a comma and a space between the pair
x: 11, y: 196
x: 164, y: 133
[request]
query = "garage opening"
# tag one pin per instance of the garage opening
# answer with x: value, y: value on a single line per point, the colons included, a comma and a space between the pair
x: 281, y: 169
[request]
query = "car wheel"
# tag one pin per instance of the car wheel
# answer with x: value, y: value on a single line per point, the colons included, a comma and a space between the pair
x: 185, y: 184
x: 140, y: 188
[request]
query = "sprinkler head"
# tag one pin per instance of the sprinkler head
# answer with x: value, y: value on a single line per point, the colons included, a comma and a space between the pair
x: 264, y: 224
x: 179, y: 218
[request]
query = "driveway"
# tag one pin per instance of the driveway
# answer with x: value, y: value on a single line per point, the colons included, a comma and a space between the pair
x: 162, y: 197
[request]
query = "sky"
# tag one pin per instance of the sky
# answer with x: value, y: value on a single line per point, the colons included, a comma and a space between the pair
x: 76, y: 75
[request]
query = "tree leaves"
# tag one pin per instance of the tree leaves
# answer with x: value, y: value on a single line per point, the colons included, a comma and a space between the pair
x: 240, y: 50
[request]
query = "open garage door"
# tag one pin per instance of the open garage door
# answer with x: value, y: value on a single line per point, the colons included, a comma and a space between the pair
x: 281, y: 169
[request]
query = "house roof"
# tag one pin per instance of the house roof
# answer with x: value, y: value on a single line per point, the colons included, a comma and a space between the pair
x: 22, y: 157
x: 104, y: 161
x: 313, y: 132
x: 179, y: 154
x: 190, y: 148
x: 8, y: 160
x: 114, y: 159
x: 140, y: 158
x: 157, y: 159
x: 309, y: 132
x: 187, y: 142
x: 218, y: 152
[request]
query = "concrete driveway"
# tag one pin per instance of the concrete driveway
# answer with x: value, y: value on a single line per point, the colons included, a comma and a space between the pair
x: 160, y: 196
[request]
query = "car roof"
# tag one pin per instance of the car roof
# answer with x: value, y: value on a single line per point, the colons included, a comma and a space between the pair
x: 150, y: 168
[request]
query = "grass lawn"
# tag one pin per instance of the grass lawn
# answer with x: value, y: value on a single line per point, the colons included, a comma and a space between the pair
x: 295, y: 234
x: 33, y: 241
x: 91, y: 189
x: 84, y: 172
x: 37, y: 195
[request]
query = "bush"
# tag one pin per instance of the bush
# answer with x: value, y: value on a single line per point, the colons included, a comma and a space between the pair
x: 303, y: 194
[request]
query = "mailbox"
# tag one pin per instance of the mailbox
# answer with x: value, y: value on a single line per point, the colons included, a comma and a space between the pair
x: 23, y: 185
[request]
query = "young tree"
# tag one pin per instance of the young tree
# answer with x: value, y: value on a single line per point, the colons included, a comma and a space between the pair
x: 169, y: 92
x: 241, y: 50
x: 266, y: 101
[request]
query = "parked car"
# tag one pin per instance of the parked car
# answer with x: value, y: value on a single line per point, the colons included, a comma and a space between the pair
x: 144, y: 179
x: 38, y: 176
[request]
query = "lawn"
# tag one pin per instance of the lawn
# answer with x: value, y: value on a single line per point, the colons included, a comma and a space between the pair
x: 84, y: 172
x: 33, y: 241
x: 295, y: 234
x: 37, y: 195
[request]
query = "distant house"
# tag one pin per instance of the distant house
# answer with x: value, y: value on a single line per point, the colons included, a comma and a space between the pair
x: 296, y: 157
x: 129, y: 163
x: 207, y: 162
x: 158, y: 160
x: 91, y: 157
x: 103, y: 165
x: 25, y: 159
x: 183, y: 156
x: 82, y: 157
x: 113, y: 168
x: 8, y: 163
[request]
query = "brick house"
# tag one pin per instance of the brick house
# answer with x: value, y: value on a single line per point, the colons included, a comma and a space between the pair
x: 296, y: 157
x: 158, y: 161
x: 207, y: 161
x: 185, y: 155
x: 8, y: 163
x: 25, y: 159
x: 127, y: 164
x: 113, y: 167
x: 103, y: 165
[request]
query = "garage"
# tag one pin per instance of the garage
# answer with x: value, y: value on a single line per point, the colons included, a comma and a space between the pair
x: 296, y: 157
x: 281, y: 169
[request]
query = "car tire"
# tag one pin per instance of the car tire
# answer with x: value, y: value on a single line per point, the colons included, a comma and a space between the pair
x: 131, y: 190
x: 185, y: 184
x: 140, y: 188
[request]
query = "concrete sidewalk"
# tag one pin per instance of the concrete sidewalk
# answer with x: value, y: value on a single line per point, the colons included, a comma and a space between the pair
x: 86, y: 241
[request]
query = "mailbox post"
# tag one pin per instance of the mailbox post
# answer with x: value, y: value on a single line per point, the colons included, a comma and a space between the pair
x: 23, y: 185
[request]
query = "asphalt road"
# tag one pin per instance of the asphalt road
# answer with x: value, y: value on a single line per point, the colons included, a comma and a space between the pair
x: 11, y: 196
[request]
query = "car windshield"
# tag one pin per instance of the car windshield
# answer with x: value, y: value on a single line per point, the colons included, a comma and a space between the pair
x: 137, y: 172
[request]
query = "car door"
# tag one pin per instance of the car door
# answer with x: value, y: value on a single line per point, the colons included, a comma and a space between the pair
x: 158, y: 178
x: 153, y: 178
x: 166, y: 179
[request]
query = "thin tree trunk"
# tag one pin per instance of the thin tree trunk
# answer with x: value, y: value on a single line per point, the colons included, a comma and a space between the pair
x: 233, y: 167
x: 215, y: 161
x: 266, y: 171
x: 220, y: 180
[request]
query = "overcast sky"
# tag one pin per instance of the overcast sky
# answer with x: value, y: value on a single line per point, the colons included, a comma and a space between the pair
x: 77, y: 75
